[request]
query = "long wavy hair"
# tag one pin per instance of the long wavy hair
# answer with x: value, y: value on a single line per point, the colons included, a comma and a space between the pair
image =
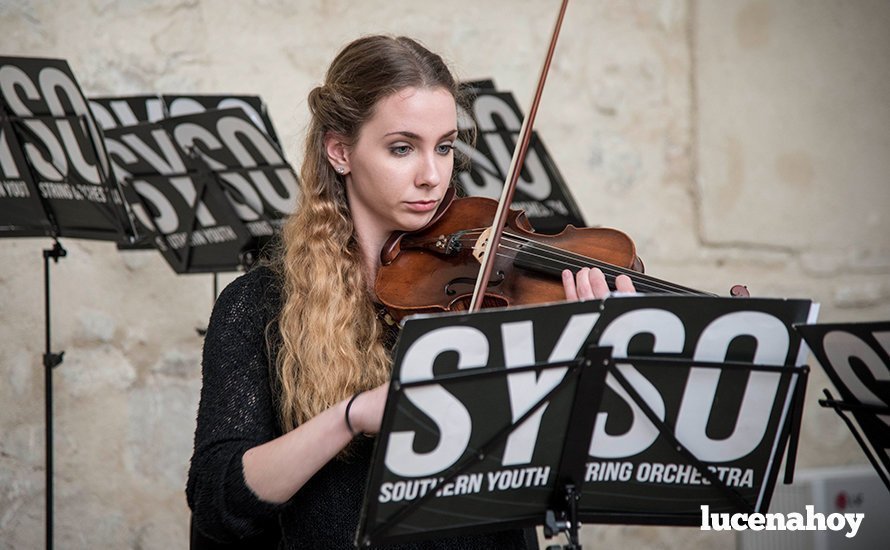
x: 330, y: 337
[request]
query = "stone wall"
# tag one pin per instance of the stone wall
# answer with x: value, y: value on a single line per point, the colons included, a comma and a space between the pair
x: 735, y: 141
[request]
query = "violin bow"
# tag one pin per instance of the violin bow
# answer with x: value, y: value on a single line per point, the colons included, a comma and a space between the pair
x: 523, y: 140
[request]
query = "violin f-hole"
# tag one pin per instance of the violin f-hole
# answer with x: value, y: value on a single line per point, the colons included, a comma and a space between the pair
x: 449, y: 291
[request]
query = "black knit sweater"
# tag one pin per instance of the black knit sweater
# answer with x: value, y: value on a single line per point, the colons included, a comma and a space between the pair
x: 237, y: 412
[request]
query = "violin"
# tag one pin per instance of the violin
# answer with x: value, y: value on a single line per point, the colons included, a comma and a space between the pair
x: 476, y: 252
x: 434, y: 269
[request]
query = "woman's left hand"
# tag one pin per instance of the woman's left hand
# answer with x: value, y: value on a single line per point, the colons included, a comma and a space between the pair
x: 590, y: 284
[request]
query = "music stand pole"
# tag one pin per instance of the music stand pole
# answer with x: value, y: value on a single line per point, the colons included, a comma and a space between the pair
x: 567, y: 523
x: 50, y: 361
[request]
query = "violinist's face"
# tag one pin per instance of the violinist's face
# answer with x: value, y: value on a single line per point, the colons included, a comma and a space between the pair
x: 401, y: 163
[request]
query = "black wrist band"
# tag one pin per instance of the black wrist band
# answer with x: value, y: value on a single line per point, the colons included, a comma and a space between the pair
x: 349, y: 406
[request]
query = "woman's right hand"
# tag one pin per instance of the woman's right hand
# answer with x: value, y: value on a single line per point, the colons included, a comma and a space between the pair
x: 366, y: 412
x: 277, y: 469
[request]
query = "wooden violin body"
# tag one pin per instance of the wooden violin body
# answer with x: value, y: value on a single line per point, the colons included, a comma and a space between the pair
x: 434, y: 269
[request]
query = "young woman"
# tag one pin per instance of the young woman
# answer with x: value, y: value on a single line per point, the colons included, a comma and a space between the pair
x: 290, y: 344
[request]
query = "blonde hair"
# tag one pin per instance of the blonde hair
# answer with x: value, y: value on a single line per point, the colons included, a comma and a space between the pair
x: 329, y: 333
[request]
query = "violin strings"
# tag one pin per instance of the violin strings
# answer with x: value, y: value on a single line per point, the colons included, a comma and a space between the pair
x: 608, y: 269
x: 571, y: 260
x: 641, y: 281
x: 638, y: 283
x: 549, y: 261
x: 647, y: 281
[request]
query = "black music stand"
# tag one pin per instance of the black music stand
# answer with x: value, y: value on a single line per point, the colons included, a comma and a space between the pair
x: 121, y: 111
x: 185, y: 247
x: 66, y: 204
x: 664, y: 350
x: 856, y: 358
x: 46, y: 216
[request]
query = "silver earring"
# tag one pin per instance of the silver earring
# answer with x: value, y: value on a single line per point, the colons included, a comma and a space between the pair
x: 340, y: 170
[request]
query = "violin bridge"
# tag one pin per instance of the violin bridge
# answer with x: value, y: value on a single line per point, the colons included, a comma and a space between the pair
x: 481, y: 243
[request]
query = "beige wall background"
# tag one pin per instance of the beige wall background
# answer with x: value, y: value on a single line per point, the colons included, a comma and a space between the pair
x: 735, y: 141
